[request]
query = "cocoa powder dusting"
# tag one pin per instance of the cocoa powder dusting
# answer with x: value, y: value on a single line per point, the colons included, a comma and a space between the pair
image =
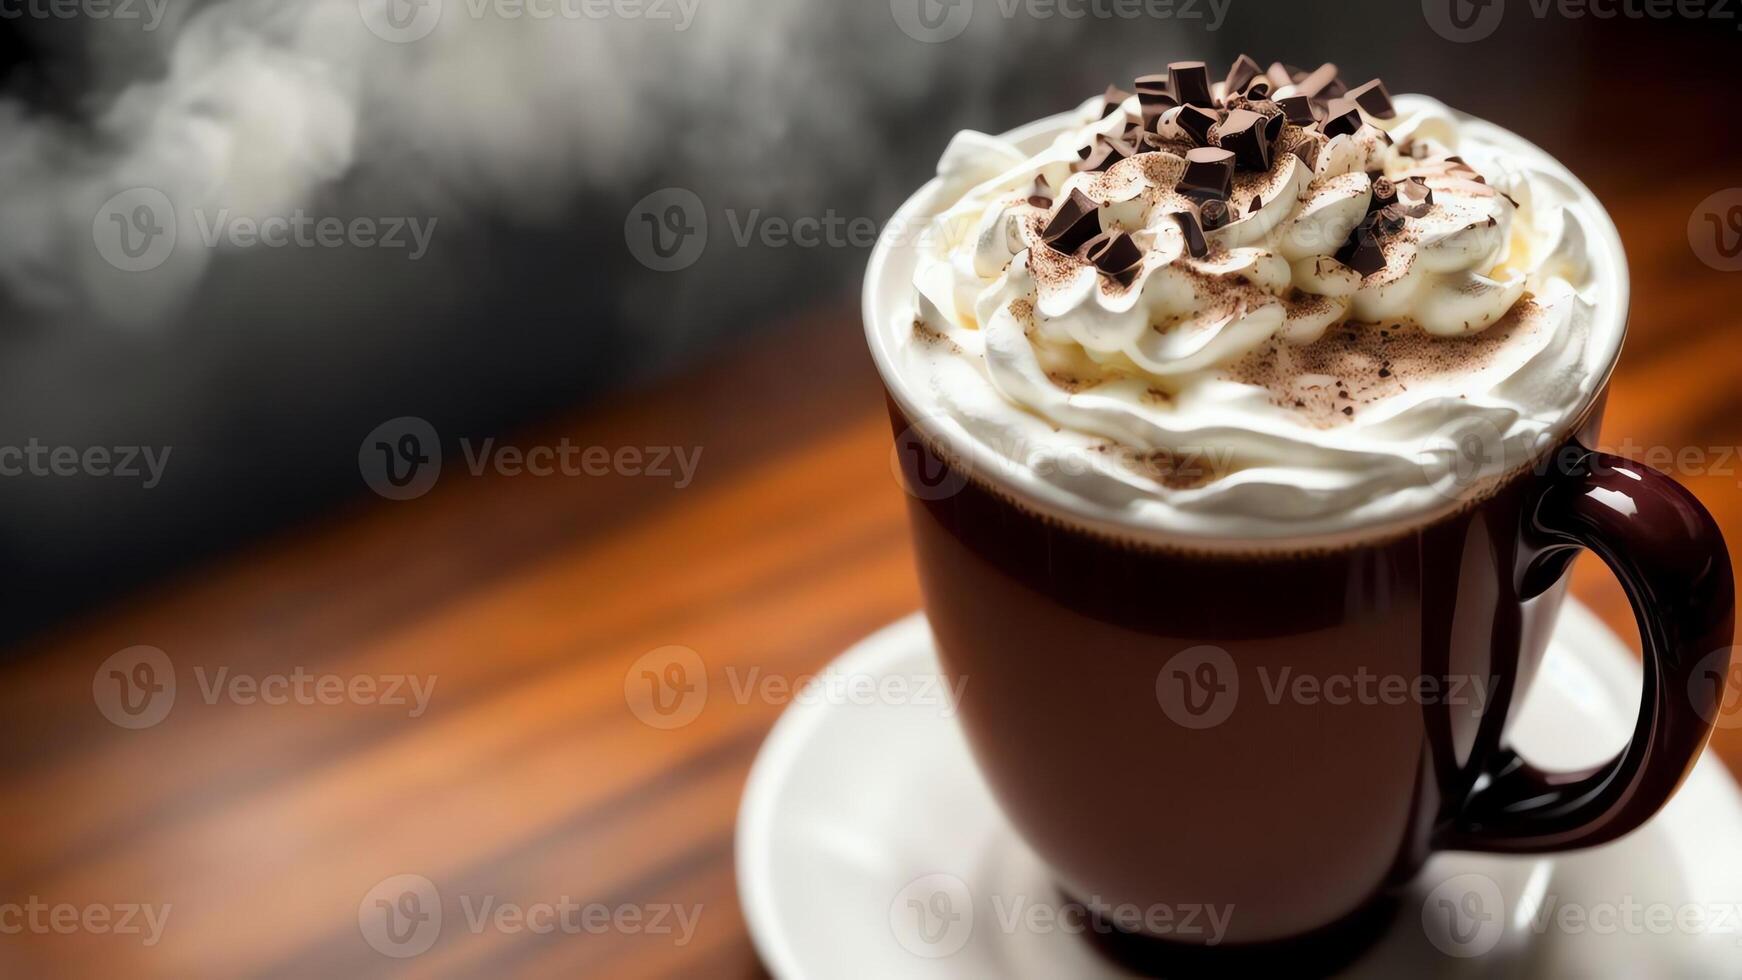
x: 1330, y: 381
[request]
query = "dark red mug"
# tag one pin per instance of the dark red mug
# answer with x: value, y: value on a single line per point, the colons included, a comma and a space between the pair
x: 1118, y: 696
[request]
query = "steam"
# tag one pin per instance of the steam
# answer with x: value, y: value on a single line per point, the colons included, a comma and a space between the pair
x: 251, y: 109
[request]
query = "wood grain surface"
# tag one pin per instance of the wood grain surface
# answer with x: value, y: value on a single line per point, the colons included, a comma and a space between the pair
x: 525, y: 601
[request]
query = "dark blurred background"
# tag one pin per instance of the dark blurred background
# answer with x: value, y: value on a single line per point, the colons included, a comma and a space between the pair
x: 528, y: 144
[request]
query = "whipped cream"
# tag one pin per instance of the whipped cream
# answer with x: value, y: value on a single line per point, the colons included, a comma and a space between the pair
x: 1263, y: 388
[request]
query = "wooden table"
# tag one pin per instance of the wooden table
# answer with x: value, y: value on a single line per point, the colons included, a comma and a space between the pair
x: 528, y: 779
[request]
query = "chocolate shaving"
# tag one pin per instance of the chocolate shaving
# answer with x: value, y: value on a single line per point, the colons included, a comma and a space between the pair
x: 1189, y: 82
x: 1213, y: 214
x: 1075, y: 222
x: 1209, y: 174
x: 1384, y: 195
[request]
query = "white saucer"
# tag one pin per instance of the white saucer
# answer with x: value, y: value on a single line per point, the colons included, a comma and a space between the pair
x: 864, y: 814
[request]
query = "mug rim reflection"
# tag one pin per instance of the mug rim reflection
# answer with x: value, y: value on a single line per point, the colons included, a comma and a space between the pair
x: 885, y: 295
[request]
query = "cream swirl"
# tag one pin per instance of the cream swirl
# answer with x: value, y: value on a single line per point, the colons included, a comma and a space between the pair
x: 1493, y: 315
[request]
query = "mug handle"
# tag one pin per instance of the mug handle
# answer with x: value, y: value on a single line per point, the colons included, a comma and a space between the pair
x: 1670, y: 557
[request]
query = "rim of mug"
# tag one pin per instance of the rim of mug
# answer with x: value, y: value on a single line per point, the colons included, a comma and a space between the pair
x: 990, y: 469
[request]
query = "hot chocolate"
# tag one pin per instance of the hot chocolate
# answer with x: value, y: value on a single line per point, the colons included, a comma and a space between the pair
x: 1217, y: 384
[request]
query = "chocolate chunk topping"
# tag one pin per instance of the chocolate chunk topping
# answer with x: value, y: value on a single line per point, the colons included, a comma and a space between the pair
x: 1155, y: 95
x: 1213, y: 214
x: 1189, y: 82
x: 1274, y: 124
x: 1414, y: 197
x: 1209, y: 174
x: 1365, y: 258
x: 1386, y: 221
x: 1242, y: 124
x: 1366, y: 252
x: 1196, y: 245
x: 1198, y: 123
x: 1298, y: 109
x: 1243, y: 133
x: 1075, y: 222
x: 1374, y: 99
x: 1241, y: 75
x: 1257, y: 205
x: 1342, y: 118
x: 1116, y: 254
